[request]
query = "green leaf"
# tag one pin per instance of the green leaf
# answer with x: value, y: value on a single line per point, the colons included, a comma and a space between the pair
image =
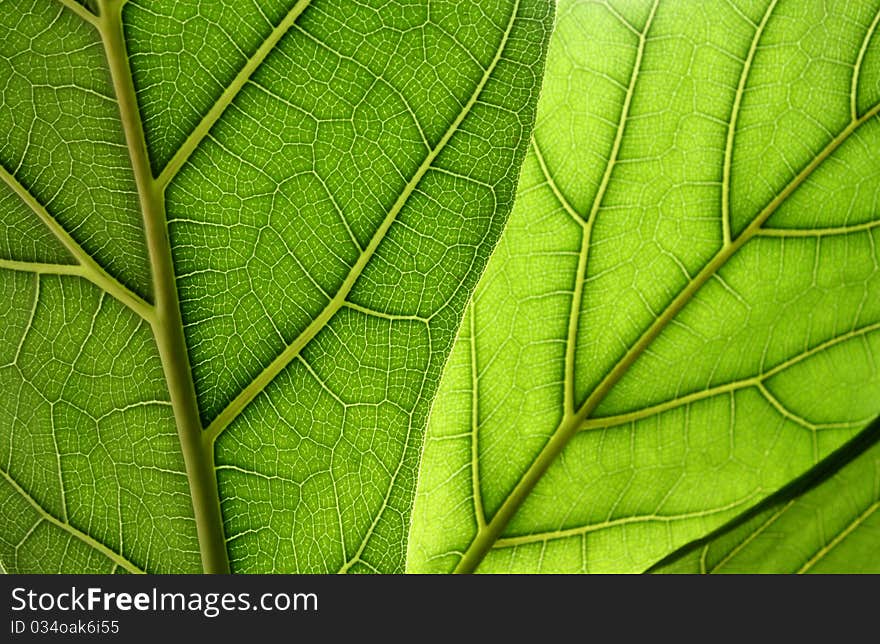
x: 237, y: 242
x: 830, y: 524
x: 683, y: 314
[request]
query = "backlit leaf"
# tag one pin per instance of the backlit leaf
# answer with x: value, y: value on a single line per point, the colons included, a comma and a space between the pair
x: 238, y: 238
x: 830, y: 524
x: 683, y: 314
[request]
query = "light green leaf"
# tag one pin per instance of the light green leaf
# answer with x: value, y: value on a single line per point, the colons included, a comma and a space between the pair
x: 830, y: 524
x: 683, y: 314
x: 237, y: 242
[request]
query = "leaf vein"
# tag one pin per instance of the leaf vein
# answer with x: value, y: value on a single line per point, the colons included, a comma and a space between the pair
x: 550, y: 535
x: 476, y: 490
x: 85, y: 538
x: 80, y: 11
x: 745, y: 542
x: 483, y: 541
x: 823, y: 552
x: 90, y: 268
x: 234, y: 408
x: 583, y: 256
x: 734, y: 119
x: 598, y: 422
x: 195, y: 138
x: 857, y: 68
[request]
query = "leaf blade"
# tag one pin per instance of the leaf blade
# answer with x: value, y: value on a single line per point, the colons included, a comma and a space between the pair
x: 51, y: 105
x: 399, y: 134
x: 542, y: 474
x: 819, y: 524
x: 377, y: 309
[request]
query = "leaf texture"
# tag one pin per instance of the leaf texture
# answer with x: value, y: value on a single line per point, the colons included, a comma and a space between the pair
x: 238, y: 240
x: 683, y: 314
x: 830, y: 525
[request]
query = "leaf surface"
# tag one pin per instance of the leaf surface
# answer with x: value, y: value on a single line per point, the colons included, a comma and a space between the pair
x: 827, y: 525
x: 683, y: 314
x: 238, y: 240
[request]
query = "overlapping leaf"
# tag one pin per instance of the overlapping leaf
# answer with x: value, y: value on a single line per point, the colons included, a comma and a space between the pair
x: 331, y: 177
x: 829, y: 524
x: 683, y: 314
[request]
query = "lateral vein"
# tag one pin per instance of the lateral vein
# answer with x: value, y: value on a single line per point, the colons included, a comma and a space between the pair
x: 818, y: 232
x: 550, y: 535
x: 823, y: 552
x: 476, y: 488
x: 42, y: 268
x: 587, y: 233
x: 90, y: 541
x: 167, y: 325
x: 551, y: 182
x: 90, y: 269
x: 229, y: 94
x: 857, y: 68
x: 752, y: 536
x: 235, y: 407
x: 734, y: 119
x: 80, y: 11
x: 602, y: 422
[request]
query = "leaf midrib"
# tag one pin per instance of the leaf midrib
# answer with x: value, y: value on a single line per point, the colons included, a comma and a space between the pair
x: 571, y: 424
x: 167, y: 323
x: 163, y: 316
